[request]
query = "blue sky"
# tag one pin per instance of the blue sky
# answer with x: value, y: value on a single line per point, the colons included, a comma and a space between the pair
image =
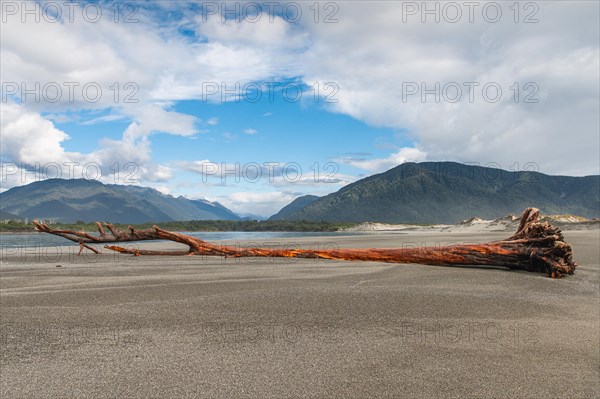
x: 305, y: 136
x: 395, y: 84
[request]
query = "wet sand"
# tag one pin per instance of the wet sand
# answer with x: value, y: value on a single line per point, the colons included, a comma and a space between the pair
x: 155, y: 327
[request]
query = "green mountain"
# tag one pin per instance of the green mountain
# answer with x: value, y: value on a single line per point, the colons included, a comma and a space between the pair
x: 449, y: 192
x: 294, y: 206
x: 7, y: 216
x: 89, y: 200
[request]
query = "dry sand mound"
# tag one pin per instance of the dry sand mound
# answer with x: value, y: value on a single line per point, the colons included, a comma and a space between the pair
x: 476, y: 224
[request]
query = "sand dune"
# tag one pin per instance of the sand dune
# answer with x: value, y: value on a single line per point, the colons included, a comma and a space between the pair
x: 477, y: 225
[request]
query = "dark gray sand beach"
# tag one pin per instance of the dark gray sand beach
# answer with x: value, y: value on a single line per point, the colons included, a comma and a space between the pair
x: 177, y: 327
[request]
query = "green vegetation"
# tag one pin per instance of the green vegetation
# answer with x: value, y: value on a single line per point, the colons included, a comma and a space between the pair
x: 14, y: 226
x: 66, y: 201
x: 294, y: 206
x: 449, y: 192
x: 194, y: 225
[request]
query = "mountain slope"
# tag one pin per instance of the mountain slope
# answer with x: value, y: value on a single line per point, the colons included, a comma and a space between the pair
x: 294, y: 206
x: 89, y: 200
x: 448, y: 192
x: 181, y: 208
x: 7, y: 216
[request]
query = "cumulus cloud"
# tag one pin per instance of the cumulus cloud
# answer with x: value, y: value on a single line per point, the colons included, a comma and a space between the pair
x: 32, y: 149
x: 140, y: 75
x: 29, y: 138
x: 381, y: 58
x: 377, y: 165
x: 272, y: 32
x: 154, y: 119
x: 391, y: 54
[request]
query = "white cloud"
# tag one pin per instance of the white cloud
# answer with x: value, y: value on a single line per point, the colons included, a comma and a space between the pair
x: 163, y: 189
x: 141, y: 70
x: 153, y: 119
x: 100, y: 119
x: 32, y: 148
x: 369, y: 54
x: 377, y: 165
x: 29, y: 138
x: 158, y: 173
x: 258, y: 203
x: 272, y: 33
x: 560, y: 54
x: 250, y: 131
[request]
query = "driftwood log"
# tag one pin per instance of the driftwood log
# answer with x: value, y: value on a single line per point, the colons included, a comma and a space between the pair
x: 535, y: 247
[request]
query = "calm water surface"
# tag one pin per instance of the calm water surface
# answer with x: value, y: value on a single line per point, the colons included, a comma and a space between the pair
x: 8, y: 241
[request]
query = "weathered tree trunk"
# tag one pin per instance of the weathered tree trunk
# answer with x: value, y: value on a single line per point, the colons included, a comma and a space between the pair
x: 536, y: 247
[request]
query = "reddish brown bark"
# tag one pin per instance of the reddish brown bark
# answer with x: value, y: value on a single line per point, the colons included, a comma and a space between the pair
x: 536, y: 246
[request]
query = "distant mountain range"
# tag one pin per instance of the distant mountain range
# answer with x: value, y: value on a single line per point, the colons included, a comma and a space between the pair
x: 448, y: 192
x: 67, y: 201
x: 428, y: 192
